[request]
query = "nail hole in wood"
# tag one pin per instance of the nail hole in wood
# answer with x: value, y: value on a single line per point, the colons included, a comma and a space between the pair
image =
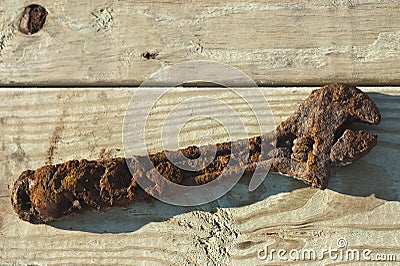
x: 32, y: 19
x: 148, y: 55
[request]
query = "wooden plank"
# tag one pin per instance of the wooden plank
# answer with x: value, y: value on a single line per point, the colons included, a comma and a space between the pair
x: 361, y: 204
x: 278, y: 42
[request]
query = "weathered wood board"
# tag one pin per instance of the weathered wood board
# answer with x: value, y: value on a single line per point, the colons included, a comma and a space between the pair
x: 39, y: 126
x: 278, y: 42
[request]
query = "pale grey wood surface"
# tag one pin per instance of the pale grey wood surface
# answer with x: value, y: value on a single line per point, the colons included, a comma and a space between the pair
x: 278, y: 42
x: 39, y: 126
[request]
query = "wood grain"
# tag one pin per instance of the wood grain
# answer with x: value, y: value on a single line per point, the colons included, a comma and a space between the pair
x: 279, y: 43
x: 53, y: 125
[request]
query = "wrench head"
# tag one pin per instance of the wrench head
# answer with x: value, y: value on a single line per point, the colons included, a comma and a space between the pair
x: 316, y: 137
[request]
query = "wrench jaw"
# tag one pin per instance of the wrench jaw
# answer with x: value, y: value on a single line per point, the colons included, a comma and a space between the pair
x: 362, y: 109
x: 351, y: 146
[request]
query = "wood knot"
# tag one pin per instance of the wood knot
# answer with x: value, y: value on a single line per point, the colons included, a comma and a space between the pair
x: 32, y: 19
